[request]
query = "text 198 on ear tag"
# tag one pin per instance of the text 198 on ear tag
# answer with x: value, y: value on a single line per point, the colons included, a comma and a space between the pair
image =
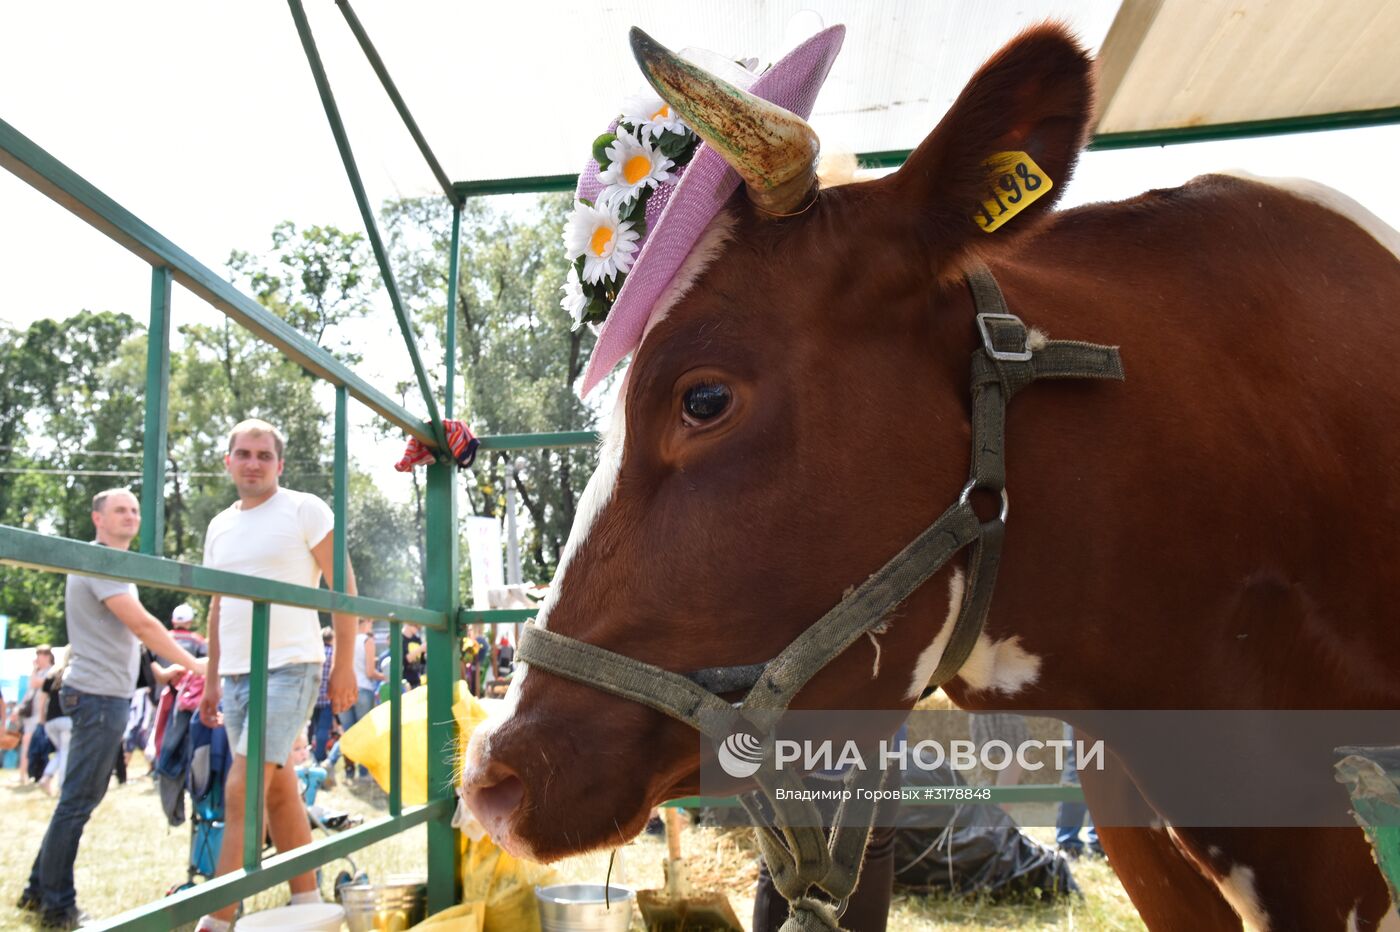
x: 1014, y: 182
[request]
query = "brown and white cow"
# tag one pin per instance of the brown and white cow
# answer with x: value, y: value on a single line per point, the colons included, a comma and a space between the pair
x: 1222, y: 531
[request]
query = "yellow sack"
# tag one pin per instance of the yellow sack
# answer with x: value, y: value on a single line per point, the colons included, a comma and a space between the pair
x: 496, y: 886
x: 465, y: 918
x: 505, y: 883
x: 367, y: 742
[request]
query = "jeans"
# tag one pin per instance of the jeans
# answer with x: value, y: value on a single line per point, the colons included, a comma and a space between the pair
x: 359, y: 710
x: 321, y: 731
x: 291, y: 695
x: 98, y: 723
x: 1071, y: 816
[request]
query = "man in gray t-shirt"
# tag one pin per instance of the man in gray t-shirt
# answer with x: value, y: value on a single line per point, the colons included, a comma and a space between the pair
x: 106, y: 627
x: 104, y: 655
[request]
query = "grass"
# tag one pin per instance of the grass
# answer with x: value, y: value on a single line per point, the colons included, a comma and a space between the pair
x: 129, y: 857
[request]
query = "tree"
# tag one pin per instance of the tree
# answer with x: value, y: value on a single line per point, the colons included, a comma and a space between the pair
x: 63, y: 398
x: 316, y: 280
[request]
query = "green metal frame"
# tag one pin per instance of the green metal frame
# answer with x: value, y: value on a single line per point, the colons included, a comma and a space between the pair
x: 438, y: 616
x: 149, y: 568
x: 157, y: 419
x: 893, y: 158
x: 59, y: 555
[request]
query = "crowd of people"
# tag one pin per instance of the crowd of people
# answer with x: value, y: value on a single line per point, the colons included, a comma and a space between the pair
x: 48, y: 727
x: 487, y: 669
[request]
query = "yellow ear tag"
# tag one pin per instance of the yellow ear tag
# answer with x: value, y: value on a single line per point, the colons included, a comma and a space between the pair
x: 1014, y: 182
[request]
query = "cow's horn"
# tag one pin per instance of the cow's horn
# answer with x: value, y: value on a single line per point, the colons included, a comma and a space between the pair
x: 773, y: 150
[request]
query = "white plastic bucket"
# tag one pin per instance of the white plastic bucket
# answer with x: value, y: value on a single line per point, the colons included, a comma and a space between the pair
x: 306, y: 917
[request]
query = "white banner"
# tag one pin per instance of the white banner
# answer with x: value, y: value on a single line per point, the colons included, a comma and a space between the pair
x: 488, y: 561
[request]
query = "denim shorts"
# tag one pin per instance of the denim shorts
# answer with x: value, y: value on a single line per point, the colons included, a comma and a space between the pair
x: 291, y: 695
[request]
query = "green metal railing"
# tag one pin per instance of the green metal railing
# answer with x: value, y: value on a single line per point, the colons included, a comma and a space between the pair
x: 150, y: 568
x: 438, y: 616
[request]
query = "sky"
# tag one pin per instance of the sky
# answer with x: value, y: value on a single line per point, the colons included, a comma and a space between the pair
x: 200, y: 117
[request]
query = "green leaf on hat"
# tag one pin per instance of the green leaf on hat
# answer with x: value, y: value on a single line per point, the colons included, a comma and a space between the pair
x: 597, y: 310
x: 600, y: 149
x: 613, y: 287
x: 675, y: 145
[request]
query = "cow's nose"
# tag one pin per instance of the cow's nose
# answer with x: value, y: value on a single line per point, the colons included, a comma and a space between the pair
x: 493, y: 792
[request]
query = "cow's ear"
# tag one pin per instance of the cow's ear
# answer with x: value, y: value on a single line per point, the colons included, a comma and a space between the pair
x: 998, y: 160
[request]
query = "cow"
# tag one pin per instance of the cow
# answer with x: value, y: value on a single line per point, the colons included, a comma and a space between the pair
x: 1219, y: 531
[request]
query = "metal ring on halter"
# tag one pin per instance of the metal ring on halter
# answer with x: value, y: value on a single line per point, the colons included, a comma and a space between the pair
x: 967, y: 495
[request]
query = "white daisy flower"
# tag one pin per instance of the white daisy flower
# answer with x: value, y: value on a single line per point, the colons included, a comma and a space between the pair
x: 608, y: 245
x: 635, y: 167
x: 575, y: 302
x: 652, y: 115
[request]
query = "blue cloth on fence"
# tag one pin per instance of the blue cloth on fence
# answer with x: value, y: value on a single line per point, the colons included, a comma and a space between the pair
x: 174, y: 759
x: 173, y: 764
x: 210, y: 762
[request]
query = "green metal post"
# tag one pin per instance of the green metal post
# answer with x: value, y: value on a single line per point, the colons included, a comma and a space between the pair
x: 395, y: 719
x: 257, y: 731
x: 339, y: 559
x: 452, y: 273
x: 443, y: 666
x: 157, y: 405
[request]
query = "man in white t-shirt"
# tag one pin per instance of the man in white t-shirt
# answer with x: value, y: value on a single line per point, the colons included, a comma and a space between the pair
x: 276, y: 534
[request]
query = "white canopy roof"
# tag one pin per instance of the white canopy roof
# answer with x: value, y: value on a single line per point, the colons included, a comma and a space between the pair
x: 1168, y: 65
x: 521, y: 89
x: 1164, y: 64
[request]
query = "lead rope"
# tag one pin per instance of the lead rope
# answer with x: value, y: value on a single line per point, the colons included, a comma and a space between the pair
x: 800, y: 856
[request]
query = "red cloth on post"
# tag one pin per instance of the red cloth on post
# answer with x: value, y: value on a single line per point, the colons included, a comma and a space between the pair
x: 460, y: 440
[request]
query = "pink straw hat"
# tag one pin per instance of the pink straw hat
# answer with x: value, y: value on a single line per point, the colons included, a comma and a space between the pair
x: 678, y: 211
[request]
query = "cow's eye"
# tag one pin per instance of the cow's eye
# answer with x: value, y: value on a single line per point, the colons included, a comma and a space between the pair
x: 706, y: 401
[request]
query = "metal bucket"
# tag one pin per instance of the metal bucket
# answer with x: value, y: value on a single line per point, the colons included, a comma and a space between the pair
x: 580, y: 907
x: 397, y: 904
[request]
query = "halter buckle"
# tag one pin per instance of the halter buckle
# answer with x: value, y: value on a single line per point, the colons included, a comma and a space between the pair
x: 972, y: 486
x: 1021, y: 355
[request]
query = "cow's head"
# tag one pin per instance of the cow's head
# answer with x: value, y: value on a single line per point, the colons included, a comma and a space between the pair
x: 796, y: 415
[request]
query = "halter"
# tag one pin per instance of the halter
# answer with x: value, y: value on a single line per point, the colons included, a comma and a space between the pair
x: 800, y: 857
